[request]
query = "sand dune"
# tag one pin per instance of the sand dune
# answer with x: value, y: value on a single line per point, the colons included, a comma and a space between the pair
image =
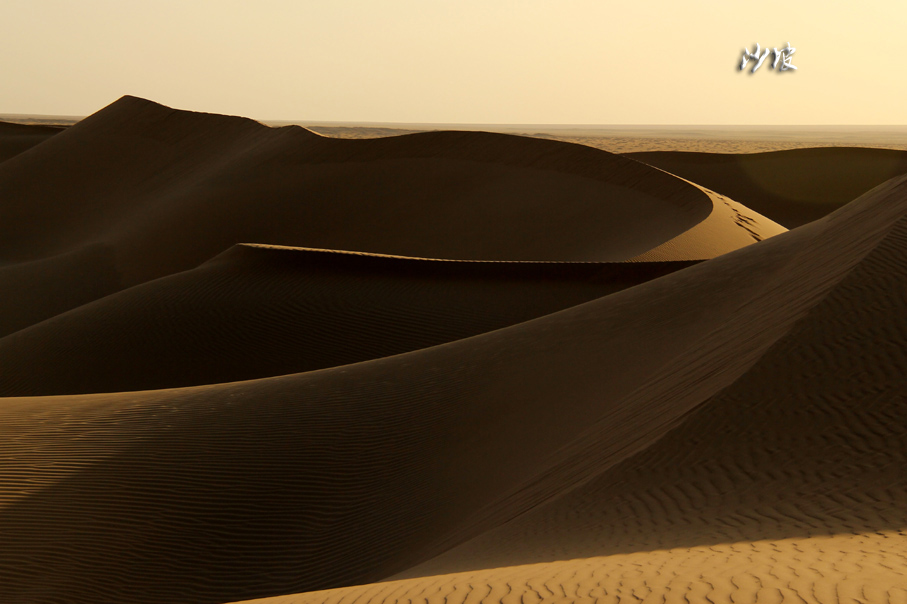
x: 38, y: 289
x: 787, y: 485
x: 790, y: 187
x: 160, y: 191
x: 352, y: 474
x: 822, y: 569
x: 259, y: 311
x: 450, y: 367
x: 17, y: 138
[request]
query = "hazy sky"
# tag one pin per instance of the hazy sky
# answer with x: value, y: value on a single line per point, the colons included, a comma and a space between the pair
x: 463, y: 61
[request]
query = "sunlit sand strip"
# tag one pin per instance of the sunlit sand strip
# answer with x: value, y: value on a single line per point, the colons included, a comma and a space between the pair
x: 268, y: 246
x: 865, y: 567
x: 713, y: 237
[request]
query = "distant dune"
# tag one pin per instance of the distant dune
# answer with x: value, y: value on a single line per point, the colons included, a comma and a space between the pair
x: 246, y: 362
x: 143, y: 191
x: 792, y: 187
x: 17, y: 138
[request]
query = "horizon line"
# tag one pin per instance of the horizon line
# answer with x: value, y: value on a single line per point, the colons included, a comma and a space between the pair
x: 401, y: 125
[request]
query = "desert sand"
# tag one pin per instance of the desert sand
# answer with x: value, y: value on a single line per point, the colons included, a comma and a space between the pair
x: 18, y: 138
x: 240, y: 363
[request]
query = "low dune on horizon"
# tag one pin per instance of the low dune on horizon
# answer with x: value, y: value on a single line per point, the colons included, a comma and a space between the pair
x: 247, y: 363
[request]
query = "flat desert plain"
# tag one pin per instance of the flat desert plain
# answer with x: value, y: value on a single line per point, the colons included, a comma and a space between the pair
x: 252, y: 363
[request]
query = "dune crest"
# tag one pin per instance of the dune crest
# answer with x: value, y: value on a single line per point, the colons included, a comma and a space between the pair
x: 161, y: 191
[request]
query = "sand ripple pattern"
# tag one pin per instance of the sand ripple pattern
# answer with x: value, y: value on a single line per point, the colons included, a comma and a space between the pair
x: 820, y: 570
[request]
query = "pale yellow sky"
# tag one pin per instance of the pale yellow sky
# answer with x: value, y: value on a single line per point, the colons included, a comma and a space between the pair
x: 463, y: 61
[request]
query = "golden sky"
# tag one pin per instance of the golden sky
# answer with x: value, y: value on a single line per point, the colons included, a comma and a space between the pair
x: 463, y: 61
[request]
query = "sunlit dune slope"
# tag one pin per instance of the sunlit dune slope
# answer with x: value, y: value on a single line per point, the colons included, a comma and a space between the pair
x: 17, y: 138
x: 787, y: 485
x: 352, y: 474
x: 139, y: 191
x: 258, y: 311
x: 790, y: 187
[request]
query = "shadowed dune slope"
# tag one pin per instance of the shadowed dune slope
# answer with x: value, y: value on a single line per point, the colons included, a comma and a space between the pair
x: 259, y: 311
x: 790, y: 187
x: 38, y: 289
x: 788, y: 485
x: 161, y: 191
x: 16, y: 138
x: 352, y: 474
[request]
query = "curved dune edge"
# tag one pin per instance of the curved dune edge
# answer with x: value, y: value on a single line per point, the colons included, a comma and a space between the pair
x: 258, y: 311
x: 353, y: 474
x: 292, y: 248
x: 791, y: 187
x: 160, y: 164
x: 714, y: 235
x: 711, y: 237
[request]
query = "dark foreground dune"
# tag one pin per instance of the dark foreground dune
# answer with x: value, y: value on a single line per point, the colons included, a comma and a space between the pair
x: 539, y: 372
x: 791, y: 187
x: 787, y: 485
